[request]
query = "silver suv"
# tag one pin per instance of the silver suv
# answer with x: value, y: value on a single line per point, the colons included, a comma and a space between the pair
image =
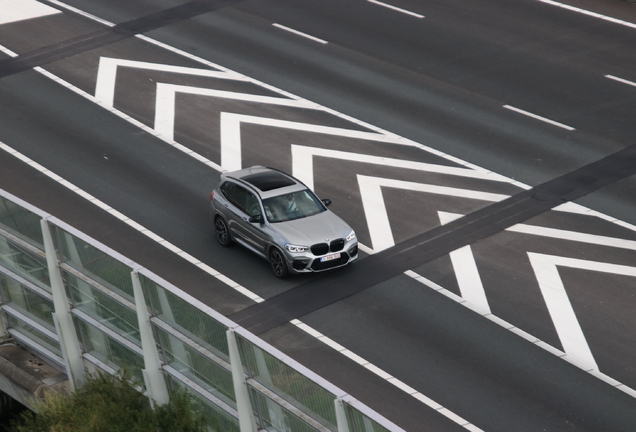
x: 278, y: 217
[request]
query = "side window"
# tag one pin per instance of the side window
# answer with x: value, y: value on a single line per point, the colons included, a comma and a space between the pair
x: 238, y: 197
x: 241, y: 198
x: 226, y: 189
x: 234, y: 194
x: 252, y: 207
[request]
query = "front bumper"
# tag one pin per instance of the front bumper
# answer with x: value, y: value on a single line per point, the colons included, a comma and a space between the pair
x: 308, y: 262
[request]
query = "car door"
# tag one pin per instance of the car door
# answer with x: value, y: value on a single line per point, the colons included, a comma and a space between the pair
x: 242, y: 204
x: 229, y: 208
x: 254, y: 230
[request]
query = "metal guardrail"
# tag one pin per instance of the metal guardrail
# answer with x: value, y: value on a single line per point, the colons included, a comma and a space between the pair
x: 85, y: 307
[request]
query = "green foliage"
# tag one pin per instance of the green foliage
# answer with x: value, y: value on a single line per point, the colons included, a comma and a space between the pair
x: 108, y: 403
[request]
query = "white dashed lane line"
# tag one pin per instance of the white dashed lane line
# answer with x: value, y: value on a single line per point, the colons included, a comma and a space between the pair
x: 395, y: 8
x: 305, y: 35
x: 534, y: 116
x: 624, y: 81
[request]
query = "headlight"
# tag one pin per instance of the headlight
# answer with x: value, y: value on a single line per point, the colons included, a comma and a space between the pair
x: 296, y: 249
x: 351, y: 236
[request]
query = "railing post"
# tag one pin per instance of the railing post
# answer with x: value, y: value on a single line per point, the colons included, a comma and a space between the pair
x: 341, y: 416
x: 3, y: 327
x: 243, y: 403
x: 153, y: 373
x: 62, y: 317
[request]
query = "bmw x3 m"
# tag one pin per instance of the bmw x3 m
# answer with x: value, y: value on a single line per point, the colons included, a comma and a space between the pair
x: 276, y: 216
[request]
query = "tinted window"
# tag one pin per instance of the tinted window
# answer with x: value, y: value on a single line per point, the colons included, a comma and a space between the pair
x: 240, y: 197
x: 252, y: 207
x: 292, y: 206
x: 226, y: 189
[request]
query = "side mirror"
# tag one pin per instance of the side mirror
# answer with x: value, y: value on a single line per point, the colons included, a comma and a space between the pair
x: 256, y: 219
x: 326, y: 202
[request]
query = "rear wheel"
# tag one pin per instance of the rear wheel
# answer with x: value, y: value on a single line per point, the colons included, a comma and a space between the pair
x: 222, y: 232
x: 278, y: 263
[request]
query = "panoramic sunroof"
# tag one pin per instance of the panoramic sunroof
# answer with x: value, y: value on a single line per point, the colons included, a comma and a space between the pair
x: 269, y: 180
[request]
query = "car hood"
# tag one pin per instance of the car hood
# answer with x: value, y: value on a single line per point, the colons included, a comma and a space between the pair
x: 325, y: 226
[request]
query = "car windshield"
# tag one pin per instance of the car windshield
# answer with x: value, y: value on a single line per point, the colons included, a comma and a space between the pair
x: 292, y: 206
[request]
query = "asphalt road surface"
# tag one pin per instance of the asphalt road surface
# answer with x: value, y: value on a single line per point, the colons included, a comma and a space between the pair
x: 408, y: 115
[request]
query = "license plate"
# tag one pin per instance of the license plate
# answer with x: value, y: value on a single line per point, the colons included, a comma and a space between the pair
x: 330, y: 257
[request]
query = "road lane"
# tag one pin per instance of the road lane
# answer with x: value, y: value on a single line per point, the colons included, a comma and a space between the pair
x: 180, y: 228
x: 149, y: 205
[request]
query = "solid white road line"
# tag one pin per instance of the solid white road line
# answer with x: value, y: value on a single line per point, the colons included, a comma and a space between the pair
x: 609, y: 380
x: 396, y: 8
x: 311, y: 331
x: 305, y: 35
x: 386, y: 376
x: 132, y: 223
x: 529, y: 114
x: 624, y: 81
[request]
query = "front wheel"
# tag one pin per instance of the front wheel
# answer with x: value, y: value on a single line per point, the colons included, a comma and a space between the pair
x: 278, y: 263
x: 222, y: 232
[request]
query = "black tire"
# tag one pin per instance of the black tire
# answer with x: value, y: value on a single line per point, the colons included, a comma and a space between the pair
x: 278, y: 263
x: 222, y: 232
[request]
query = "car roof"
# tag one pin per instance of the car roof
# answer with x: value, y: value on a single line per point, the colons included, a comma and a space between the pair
x: 268, y: 181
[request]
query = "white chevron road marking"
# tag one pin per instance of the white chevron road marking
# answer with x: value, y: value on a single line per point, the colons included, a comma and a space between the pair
x: 565, y: 234
x: 376, y: 213
x: 231, y: 135
x: 561, y: 311
x: 14, y: 10
x: 545, y: 268
x: 303, y: 158
x: 466, y: 272
x: 560, y: 308
x: 107, y: 75
x: 166, y: 97
x: 107, y: 81
x: 303, y: 164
